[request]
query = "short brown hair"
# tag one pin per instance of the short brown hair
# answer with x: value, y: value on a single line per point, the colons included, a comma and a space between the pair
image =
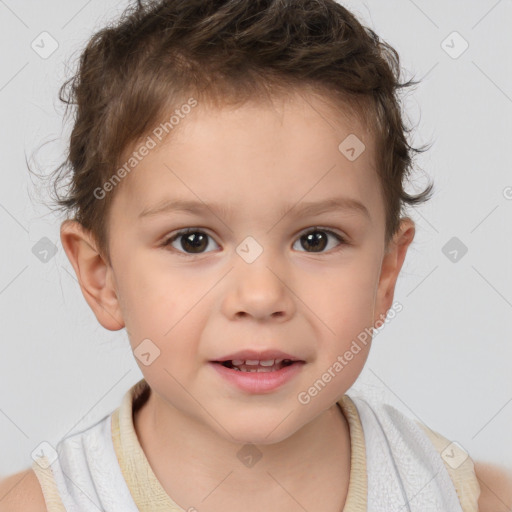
x: 158, y: 53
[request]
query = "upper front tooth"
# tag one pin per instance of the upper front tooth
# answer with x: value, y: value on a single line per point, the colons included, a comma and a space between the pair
x: 270, y: 362
x: 252, y: 361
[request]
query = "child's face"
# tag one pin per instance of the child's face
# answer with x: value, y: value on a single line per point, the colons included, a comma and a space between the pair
x: 197, y: 307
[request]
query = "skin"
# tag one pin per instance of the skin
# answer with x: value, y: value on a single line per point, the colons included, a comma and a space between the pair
x: 199, y: 307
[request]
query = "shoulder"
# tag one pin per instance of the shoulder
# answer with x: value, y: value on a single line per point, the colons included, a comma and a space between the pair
x: 495, y: 487
x: 21, y: 492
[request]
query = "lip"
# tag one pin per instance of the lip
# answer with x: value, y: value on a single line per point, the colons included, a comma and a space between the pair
x: 258, y: 382
x: 258, y: 355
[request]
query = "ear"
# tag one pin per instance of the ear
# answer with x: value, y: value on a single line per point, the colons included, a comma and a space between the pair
x: 391, y: 265
x: 94, y: 275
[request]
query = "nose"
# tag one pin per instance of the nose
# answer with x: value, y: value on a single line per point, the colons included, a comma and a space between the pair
x: 259, y: 290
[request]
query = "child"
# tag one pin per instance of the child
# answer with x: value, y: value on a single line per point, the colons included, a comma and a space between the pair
x: 256, y: 128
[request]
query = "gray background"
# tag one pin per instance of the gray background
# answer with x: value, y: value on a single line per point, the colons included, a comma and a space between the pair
x: 445, y: 359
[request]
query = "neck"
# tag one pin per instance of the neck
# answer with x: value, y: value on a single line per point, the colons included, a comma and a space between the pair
x: 308, y: 470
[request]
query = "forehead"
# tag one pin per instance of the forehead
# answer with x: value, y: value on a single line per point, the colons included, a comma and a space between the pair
x: 249, y: 158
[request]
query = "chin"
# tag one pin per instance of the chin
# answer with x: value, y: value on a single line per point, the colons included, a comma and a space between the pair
x: 251, y: 437
x: 260, y: 428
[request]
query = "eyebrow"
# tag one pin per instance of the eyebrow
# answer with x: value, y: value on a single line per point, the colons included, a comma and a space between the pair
x: 302, y: 208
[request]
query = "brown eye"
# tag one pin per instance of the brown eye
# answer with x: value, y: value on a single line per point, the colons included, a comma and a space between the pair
x: 190, y: 241
x: 195, y: 242
x: 316, y: 240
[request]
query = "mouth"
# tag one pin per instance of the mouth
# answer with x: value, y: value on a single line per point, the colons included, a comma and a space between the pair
x: 258, y: 376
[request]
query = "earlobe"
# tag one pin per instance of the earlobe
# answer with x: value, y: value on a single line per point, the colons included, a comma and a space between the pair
x: 391, y: 265
x: 93, y: 273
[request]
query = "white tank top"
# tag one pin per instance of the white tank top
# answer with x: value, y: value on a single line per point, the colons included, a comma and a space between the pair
x: 404, y: 469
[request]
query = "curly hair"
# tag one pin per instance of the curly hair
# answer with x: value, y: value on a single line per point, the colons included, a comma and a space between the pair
x: 159, y: 53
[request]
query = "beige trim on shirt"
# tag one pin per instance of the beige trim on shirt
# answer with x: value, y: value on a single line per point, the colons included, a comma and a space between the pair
x: 463, y: 476
x: 44, y: 474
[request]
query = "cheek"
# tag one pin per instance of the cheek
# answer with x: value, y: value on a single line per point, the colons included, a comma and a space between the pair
x: 346, y: 311
x: 164, y: 308
x: 149, y: 292
x: 347, y: 300
x: 149, y: 308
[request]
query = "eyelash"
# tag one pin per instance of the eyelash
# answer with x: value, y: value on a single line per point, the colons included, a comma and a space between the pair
x: 182, y: 232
